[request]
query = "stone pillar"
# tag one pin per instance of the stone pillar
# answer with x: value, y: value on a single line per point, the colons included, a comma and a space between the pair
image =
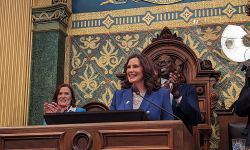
x: 48, y: 55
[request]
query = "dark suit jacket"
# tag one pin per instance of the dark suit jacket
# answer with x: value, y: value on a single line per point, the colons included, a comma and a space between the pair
x: 242, y: 109
x: 188, y: 110
x: 123, y: 100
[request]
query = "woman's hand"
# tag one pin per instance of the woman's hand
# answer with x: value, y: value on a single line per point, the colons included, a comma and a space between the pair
x: 51, y: 107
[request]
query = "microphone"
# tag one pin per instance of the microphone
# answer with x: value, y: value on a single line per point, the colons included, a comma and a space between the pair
x: 137, y: 92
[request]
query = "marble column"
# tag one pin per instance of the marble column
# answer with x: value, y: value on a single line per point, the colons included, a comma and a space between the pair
x: 48, y: 55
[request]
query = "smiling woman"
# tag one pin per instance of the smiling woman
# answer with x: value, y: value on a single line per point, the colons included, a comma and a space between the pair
x: 141, y: 91
x: 63, y: 101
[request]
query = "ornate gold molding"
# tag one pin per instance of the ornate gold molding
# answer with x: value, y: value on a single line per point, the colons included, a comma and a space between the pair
x: 56, y: 12
x: 159, y: 2
x: 146, y: 18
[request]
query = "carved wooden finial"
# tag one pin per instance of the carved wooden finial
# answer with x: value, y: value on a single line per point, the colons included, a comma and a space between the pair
x: 59, y: 1
x: 206, y: 65
x: 248, y: 8
x: 166, y: 34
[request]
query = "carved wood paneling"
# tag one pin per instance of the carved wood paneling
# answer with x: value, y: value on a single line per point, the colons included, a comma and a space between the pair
x: 170, y: 135
x: 51, y: 140
x: 197, y: 72
x: 136, y: 138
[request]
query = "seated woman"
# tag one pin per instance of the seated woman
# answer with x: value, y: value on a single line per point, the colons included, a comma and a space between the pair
x: 63, y: 101
x: 141, y: 77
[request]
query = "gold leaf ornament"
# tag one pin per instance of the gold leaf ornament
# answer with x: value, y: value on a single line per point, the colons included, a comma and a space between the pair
x: 88, y: 82
x: 128, y: 42
x: 108, y: 60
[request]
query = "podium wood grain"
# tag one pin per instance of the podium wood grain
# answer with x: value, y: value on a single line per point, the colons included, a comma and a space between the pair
x: 169, y: 135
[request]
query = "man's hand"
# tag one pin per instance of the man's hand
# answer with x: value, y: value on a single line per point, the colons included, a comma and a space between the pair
x: 172, y: 83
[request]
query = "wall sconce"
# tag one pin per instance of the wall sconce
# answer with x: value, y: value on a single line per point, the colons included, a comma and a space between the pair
x: 232, y: 43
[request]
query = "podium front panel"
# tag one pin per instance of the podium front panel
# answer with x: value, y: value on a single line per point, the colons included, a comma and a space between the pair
x: 169, y: 135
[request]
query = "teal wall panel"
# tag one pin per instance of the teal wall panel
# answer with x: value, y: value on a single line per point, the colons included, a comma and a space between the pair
x: 48, y: 55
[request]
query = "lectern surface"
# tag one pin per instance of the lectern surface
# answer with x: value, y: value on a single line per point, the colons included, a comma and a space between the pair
x: 94, y: 117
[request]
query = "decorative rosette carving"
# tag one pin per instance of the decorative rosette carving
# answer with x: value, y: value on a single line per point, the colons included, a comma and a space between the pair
x: 82, y: 140
x: 200, y: 90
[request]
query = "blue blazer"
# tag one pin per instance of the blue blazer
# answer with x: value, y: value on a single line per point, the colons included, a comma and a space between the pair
x: 79, y: 109
x: 188, y: 109
x: 123, y: 100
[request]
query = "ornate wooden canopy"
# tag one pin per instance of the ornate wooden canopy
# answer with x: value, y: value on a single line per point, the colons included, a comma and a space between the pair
x: 197, y: 72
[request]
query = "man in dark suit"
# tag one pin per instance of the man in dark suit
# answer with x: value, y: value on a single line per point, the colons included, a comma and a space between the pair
x: 184, y: 96
x: 242, y: 105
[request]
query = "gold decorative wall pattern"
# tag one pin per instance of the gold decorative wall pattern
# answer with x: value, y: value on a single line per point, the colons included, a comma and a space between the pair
x: 175, y: 15
x: 88, y: 83
x: 127, y: 42
x: 114, y: 35
x: 161, y: 2
x: 108, y: 60
x: 107, y: 56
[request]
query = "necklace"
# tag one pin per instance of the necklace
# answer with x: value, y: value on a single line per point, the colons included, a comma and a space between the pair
x: 137, y: 100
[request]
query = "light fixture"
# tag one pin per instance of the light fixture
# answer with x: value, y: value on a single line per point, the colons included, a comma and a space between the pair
x: 232, y: 44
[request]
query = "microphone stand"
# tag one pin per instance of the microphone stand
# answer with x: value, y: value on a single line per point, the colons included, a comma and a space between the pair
x: 137, y: 92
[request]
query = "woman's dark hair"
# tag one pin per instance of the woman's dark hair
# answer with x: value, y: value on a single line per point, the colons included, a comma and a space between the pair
x: 73, y: 100
x: 148, y: 70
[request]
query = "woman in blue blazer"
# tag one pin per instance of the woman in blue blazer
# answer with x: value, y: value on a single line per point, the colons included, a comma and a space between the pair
x: 141, y: 86
x: 63, y: 101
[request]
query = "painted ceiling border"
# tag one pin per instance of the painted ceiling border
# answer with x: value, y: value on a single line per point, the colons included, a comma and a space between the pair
x: 148, y: 18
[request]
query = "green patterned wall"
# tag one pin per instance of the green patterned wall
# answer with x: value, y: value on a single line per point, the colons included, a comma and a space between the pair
x: 101, y: 42
x: 95, y: 59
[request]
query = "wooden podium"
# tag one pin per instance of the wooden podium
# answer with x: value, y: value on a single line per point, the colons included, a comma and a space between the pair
x: 170, y: 135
